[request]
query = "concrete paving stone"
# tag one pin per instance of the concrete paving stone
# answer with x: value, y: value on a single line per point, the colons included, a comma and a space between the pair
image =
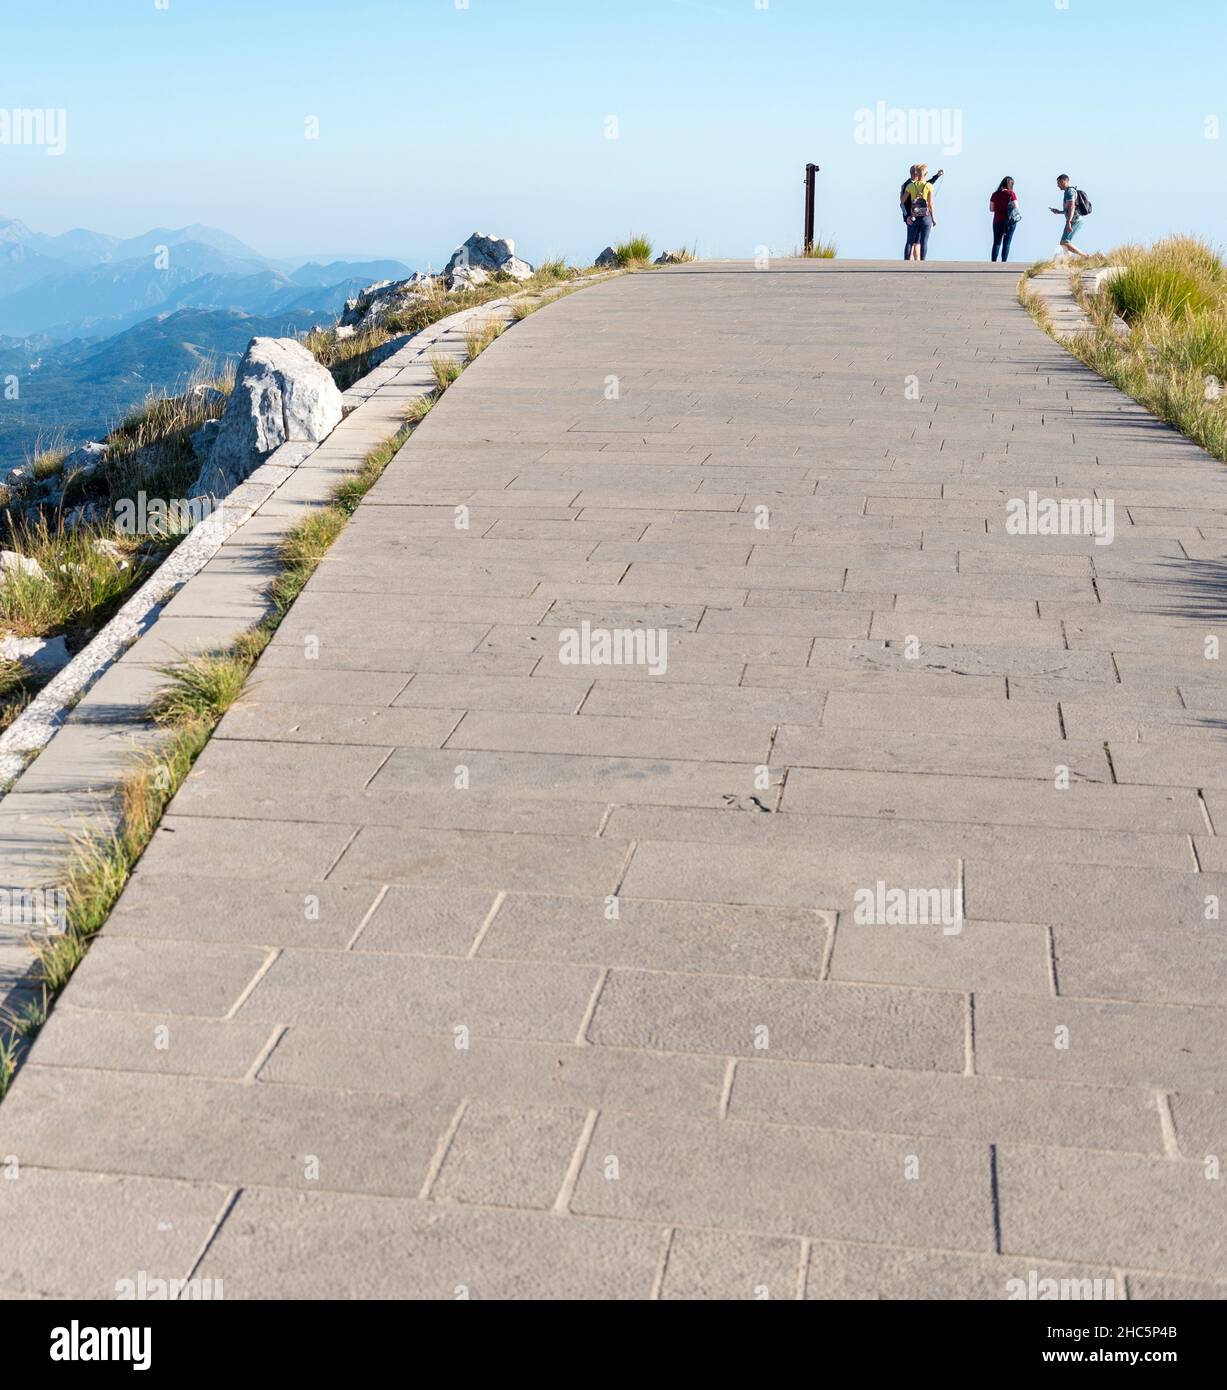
x: 921, y: 714
x: 837, y: 618
x: 483, y: 859
x: 504, y: 1157
x: 78, y: 1235
x: 324, y: 687
x: 695, y: 702
x: 728, y: 1265
x: 1166, y: 965
x: 316, y: 1246
x: 240, y: 597
x: 839, y: 1271
x: 795, y: 1182
x: 425, y: 921
x: 1111, y: 1044
x: 1007, y: 957
x: 130, y: 976
x: 350, y: 724
x: 705, y: 938
x: 783, y: 875
x: 503, y: 694
x: 1006, y: 800
x: 1200, y: 1120
x: 1180, y: 763
x: 195, y: 1129
x: 855, y: 1024
x: 263, y: 912
x: 729, y: 740
x: 1211, y: 853
x: 424, y: 994
x: 212, y: 846
x: 161, y: 1043
x: 172, y: 640
x: 1118, y: 1208
x: 623, y: 612
x: 88, y: 757
x: 559, y: 1075
x: 289, y: 767
x: 942, y: 1105
x: 1090, y: 895
x: 947, y: 755
x: 333, y: 657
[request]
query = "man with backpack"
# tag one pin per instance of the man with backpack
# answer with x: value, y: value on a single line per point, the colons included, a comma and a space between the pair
x: 917, y: 202
x: 1075, y: 205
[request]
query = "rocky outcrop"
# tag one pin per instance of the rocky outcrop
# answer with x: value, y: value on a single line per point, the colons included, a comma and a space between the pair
x: 607, y: 260
x: 281, y: 393
x: 84, y: 461
x: 481, y: 257
x: 378, y: 301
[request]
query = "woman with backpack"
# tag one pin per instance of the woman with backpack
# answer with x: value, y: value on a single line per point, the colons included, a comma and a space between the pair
x: 918, y: 205
x: 1004, y: 206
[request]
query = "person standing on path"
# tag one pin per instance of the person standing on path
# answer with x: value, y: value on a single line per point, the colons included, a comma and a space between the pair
x: 905, y: 198
x: 1004, y: 206
x: 1073, y: 218
x: 918, y: 196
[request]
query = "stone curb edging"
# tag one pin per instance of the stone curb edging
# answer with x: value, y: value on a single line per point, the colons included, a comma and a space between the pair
x: 1054, y: 288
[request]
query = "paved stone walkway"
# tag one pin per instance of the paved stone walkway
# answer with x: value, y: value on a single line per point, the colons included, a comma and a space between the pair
x: 456, y: 967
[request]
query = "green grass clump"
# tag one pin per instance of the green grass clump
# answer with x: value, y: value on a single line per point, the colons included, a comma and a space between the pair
x: 1172, y: 355
x: 821, y: 250
x: 80, y: 586
x: 446, y: 369
x: 636, y: 250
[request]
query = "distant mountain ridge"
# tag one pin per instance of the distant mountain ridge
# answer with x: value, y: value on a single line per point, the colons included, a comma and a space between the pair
x: 90, y: 323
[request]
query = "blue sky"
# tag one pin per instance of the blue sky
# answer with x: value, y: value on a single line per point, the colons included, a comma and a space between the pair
x: 435, y: 121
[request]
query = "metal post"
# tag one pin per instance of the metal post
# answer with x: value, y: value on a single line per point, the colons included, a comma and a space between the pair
x: 810, y: 171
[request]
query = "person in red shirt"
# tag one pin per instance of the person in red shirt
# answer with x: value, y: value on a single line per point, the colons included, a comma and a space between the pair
x: 1004, y: 207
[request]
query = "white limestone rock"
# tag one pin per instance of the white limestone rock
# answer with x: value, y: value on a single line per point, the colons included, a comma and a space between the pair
x: 485, y: 255
x: 41, y: 656
x: 281, y: 394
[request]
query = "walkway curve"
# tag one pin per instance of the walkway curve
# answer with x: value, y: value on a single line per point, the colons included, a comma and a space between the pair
x: 462, y: 968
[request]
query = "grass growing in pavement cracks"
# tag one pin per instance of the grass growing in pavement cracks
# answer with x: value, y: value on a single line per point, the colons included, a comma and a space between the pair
x: 446, y: 369
x: 821, y: 251
x: 1172, y: 298
x: 188, y: 708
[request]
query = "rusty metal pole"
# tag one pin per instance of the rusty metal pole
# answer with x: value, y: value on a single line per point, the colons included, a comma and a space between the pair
x: 810, y: 171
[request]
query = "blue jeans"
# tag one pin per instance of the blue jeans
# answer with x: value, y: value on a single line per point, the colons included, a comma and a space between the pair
x: 1003, y: 234
x: 918, y: 234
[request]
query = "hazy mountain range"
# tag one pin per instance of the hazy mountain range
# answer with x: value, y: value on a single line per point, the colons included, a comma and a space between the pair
x: 90, y: 323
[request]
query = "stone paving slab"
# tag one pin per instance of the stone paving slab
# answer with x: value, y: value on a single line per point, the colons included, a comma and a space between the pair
x: 460, y: 966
